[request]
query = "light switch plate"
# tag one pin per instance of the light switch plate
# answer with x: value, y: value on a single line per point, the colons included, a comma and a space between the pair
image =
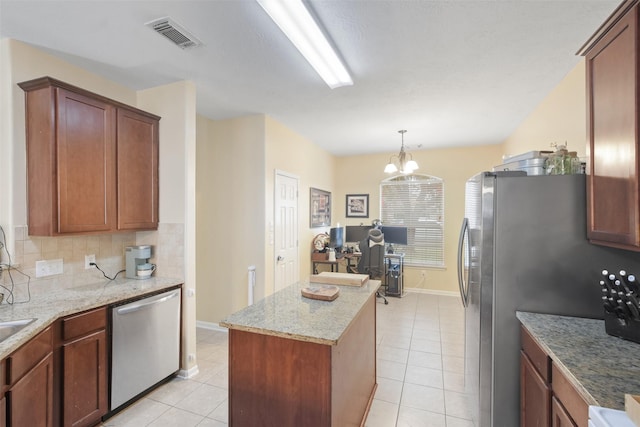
x: 49, y: 267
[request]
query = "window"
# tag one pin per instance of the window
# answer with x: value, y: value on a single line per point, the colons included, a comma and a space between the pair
x: 416, y: 202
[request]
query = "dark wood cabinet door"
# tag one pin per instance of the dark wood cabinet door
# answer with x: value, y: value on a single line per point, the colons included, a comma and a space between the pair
x: 559, y: 416
x: 613, y: 211
x: 137, y: 171
x: 30, y: 400
x: 535, y: 396
x: 85, y: 159
x: 84, y: 380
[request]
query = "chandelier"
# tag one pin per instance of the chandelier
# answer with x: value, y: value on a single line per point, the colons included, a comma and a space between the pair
x: 404, y: 165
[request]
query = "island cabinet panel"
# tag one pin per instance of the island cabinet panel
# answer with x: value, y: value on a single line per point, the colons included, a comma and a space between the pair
x: 353, y: 374
x: 285, y: 381
x: 278, y: 381
x: 613, y: 102
x: 79, y: 146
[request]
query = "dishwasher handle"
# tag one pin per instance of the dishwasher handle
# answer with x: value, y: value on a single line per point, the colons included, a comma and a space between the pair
x: 133, y: 307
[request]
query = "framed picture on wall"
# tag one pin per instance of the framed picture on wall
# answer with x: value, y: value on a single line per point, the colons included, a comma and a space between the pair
x: 319, y: 208
x: 357, y: 205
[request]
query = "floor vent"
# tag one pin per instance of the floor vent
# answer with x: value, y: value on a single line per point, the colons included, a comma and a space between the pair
x: 174, y: 32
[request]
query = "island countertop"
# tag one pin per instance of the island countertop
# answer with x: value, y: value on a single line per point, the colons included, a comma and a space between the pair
x: 288, y: 314
x: 601, y: 367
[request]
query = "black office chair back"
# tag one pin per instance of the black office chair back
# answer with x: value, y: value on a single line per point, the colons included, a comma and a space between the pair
x: 372, y: 259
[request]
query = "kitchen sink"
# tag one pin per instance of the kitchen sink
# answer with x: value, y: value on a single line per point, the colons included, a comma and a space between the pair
x: 9, y: 328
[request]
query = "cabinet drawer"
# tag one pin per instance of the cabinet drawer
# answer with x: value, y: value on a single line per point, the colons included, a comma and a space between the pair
x: 571, y: 400
x: 536, y: 354
x: 28, y: 356
x: 83, y: 323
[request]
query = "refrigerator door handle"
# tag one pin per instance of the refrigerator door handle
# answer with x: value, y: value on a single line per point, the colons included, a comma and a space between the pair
x: 464, y: 288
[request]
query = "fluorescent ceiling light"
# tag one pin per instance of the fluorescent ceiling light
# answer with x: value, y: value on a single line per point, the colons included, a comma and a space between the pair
x: 298, y: 25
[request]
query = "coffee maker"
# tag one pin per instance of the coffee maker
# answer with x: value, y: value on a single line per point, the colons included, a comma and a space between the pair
x: 137, y: 262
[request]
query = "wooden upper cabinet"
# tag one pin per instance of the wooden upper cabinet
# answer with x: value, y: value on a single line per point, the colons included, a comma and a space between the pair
x: 85, y: 157
x: 613, y: 104
x: 137, y: 171
x: 92, y: 163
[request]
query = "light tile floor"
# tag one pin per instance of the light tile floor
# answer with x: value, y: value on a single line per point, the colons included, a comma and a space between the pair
x: 420, y: 373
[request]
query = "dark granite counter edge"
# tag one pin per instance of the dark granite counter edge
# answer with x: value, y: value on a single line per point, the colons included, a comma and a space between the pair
x: 602, y: 368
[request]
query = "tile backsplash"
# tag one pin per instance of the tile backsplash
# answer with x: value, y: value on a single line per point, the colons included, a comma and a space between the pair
x: 167, y: 253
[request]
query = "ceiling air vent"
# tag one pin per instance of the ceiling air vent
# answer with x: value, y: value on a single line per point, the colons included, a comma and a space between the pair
x: 174, y: 32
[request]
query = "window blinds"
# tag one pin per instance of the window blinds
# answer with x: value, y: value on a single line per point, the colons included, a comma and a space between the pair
x: 416, y: 202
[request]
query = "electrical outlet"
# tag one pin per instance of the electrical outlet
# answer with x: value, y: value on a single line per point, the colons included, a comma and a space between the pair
x: 49, y: 267
x: 88, y: 259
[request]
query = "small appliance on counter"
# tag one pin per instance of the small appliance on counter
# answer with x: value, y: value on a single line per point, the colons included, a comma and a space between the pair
x: 137, y: 262
x: 621, y: 301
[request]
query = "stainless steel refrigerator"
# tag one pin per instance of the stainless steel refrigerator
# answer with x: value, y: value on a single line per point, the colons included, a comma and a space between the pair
x: 522, y: 247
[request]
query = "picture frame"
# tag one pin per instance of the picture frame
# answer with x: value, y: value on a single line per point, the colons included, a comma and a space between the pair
x: 357, y: 206
x: 319, y: 208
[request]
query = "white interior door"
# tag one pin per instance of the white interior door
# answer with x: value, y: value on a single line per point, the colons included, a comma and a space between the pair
x: 287, y: 263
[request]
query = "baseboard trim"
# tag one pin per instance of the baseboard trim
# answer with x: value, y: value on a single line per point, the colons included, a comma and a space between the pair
x: 433, y: 292
x: 211, y: 326
x: 188, y: 373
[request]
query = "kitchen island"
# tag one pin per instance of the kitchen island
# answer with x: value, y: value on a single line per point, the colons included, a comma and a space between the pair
x: 295, y: 361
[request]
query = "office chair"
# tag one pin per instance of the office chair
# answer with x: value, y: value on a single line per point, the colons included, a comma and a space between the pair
x: 372, y: 259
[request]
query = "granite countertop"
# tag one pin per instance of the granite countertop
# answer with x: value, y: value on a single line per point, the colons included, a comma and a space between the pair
x: 288, y: 314
x: 48, y: 307
x: 601, y: 367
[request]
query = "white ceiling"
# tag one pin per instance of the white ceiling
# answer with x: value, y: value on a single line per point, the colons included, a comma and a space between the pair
x: 453, y: 73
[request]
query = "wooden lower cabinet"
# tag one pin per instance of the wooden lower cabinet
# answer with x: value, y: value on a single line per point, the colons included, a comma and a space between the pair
x: 547, y: 398
x: 29, y: 383
x: 535, y: 395
x: 30, y: 400
x: 85, y: 380
x: 59, y: 377
x: 84, y: 368
x: 559, y: 415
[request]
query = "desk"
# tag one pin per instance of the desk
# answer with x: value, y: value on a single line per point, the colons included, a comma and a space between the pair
x: 314, y: 265
x: 335, y: 265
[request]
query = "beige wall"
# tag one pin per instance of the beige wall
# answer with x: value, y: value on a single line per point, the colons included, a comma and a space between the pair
x: 174, y: 242
x: 235, y: 209
x: 363, y: 175
x: 289, y: 152
x: 560, y: 117
x: 230, y: 169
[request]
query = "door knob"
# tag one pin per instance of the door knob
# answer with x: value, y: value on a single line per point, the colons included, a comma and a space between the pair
x: 280, y: 258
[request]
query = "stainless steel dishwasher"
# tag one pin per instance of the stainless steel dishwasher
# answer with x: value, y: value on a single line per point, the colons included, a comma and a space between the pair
x: 145, y: 344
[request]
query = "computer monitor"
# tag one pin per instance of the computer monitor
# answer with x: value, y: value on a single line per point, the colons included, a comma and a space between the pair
x: 336, y: 237
x: 356, y: 233
x: 395, y: 235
